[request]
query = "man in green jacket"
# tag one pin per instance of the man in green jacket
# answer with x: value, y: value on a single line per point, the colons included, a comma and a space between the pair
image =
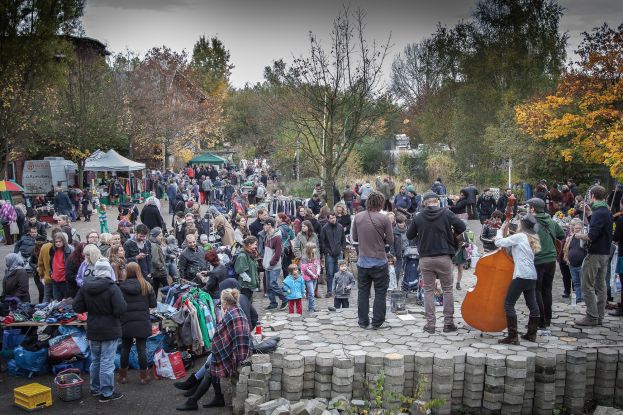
x: 246, y: 268
x: 550, y: 233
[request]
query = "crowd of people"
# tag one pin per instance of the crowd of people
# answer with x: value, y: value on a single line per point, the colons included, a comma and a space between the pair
x: 235, y: 248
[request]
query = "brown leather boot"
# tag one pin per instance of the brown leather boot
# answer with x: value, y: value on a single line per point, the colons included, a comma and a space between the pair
x: 144, y: 374
x: 533, y: 326
x: 512, y: 337
x: 123, y: 375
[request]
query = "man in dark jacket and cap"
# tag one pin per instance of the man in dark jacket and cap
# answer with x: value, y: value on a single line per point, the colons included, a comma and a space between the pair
x: 102, y: 299
x: 434, y: 229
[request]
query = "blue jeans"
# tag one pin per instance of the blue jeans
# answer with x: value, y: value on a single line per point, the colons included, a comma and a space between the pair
x: 273, y: 286
x: 330, y: 263
x: 576, y: 277
x: 201, y: 372
x: 172, y: 268
x: 310, y: 286
x: 103, y: 366
x: 59, y: 290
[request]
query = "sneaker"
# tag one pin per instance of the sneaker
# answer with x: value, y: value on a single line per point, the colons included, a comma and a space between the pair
x: 565, y: 295
x: 113, y: 397
x: 283, y: 305
x: 363, y: 326
x: 383, y: 326
x: 458, y: 286
x: 328, y: 295
x: 585, y: 321
x: 271, y: 307
x: 331, y: 308
x: 429, y: 330
x: 95, y: 394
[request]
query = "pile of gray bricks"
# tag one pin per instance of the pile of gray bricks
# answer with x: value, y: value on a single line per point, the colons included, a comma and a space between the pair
x: 359, y: 377
x: 309, y: 358
x: 494, y: 384
x: 323, y: 376
x: 292, y: 377
x: 561, y: 375
x: 342, y: 377
x: 424, y: 373
x: 515, y: 384
x: 528, y: 400
x: 473, y: 385
x: 458, y: 381
x: 545, y: 386
x: 605, y: 377
x: 394, y: 369
x: 575, y: 385
x: 618, y: 392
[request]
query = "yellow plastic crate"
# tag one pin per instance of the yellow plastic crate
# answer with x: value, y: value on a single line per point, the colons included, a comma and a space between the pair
x: 32, y: 396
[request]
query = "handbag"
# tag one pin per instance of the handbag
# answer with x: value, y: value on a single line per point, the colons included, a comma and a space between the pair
x: 13, y: 228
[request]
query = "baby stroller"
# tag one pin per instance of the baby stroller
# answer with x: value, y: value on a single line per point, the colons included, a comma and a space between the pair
x: 411, y: 278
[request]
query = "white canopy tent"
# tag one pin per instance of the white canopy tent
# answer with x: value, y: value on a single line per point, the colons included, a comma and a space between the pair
x: 111, y: 161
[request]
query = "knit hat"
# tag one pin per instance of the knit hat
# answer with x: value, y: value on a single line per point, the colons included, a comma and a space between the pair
x: 537, y: 204
x: 171, y: 240
x: 429, y: 195
x: 155, y: 232
x: 102, y: 268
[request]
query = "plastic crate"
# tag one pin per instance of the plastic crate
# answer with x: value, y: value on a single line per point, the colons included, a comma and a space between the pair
x: 32, y: 396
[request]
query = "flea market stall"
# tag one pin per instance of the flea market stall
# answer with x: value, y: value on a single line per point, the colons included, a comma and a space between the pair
x: 113, y: 162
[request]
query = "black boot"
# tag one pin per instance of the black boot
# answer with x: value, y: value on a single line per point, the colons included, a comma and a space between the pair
x: 191, y: 403
x: 219, y: 399
x: 512, y: 337
x: 189, y: 383
x: 533, y: 325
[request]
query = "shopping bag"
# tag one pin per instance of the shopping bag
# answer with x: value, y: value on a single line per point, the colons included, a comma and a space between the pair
x: 34, y: 362
x: 63, y: 348
x: 14, y: 228
x: 169, y: 365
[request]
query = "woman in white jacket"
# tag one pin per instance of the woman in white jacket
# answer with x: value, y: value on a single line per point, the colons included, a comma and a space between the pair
x: 524, y: 245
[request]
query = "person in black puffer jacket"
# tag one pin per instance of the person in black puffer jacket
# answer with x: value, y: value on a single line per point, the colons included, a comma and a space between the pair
x: 135, y: 323
x: 217, y: 275
x: 151, y: 216
x: 103, y: 300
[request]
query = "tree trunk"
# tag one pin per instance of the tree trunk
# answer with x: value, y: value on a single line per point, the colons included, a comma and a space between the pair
x: 81, y: 173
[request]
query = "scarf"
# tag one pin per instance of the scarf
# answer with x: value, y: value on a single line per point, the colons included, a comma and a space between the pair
x: 13, y: 263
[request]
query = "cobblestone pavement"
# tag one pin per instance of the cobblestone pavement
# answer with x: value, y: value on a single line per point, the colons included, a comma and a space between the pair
x: 338, y: 332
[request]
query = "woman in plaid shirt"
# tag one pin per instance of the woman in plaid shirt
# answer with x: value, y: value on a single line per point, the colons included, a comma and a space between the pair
x: 231, y: 345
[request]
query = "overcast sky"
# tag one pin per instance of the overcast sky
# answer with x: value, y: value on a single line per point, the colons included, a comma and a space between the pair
x: 257, y: 32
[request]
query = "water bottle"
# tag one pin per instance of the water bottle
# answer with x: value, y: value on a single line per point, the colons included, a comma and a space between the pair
x: 574, y: 301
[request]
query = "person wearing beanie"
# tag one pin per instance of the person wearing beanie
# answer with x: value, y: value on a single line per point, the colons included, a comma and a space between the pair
x: 550, y: 235
x: 102, y: 299
x: 524, y: 244
x: 434, y: 229
x: 158, y: 260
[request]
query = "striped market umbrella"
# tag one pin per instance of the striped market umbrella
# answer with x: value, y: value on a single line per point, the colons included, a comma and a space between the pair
x: 10, y: 186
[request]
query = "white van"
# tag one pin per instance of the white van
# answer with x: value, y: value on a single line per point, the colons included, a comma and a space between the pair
x: 40, y: 176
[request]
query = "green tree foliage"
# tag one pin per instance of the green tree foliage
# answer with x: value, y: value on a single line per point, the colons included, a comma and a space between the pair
x: 456, y: 83
x: 32, y: 51
x: 211, y: 61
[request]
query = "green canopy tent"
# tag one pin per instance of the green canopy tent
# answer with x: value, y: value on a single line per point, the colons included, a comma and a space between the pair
x: 208, y: 158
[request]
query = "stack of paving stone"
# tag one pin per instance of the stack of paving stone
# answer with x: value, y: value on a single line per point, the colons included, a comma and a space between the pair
x: 605, y: 378
x: 309, y: 358
x: 545, y: 385
x: 473, y: 385
x: 323, y: 375
x: 528, y: 400
x: 292, y: 377
x: 342, y: 377
x: 443, y: 381
x: 515, y: 384
x: 575, y: 385
x: 259, y: 379
x: 409, y: 385
x: 618, y: 392
x: 274, y: 385
x: 591, y: 368
x: 374, y: 366
x: 359, y: 377
x: 394, y: 369
x: 561, y: 375
x: 494, y: 383
x: 423, y: 374
x: 458, y: 381
x: 251, y: 404
x: 240, y: 391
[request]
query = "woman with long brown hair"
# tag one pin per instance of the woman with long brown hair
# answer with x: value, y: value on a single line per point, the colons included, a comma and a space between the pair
x: 117, y: 261
x: 135, y: 323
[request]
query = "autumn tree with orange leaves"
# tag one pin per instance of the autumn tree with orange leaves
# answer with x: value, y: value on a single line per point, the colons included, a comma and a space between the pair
x: 584, y: 117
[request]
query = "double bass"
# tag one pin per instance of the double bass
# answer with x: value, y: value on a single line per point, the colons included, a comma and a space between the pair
x: 483, y: 306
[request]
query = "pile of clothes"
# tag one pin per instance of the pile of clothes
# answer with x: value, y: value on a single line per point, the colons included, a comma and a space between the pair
x: 55, y: 312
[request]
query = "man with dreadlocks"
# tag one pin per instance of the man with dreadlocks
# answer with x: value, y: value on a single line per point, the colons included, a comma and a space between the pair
x: 373, y: 230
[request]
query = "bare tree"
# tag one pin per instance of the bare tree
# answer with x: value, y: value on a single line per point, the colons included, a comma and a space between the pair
x: 333, y: 95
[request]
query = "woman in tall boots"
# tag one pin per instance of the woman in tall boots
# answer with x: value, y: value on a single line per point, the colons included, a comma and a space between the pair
x: 524, y: 245
x: 135, y: 323
x: 231, y: 345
